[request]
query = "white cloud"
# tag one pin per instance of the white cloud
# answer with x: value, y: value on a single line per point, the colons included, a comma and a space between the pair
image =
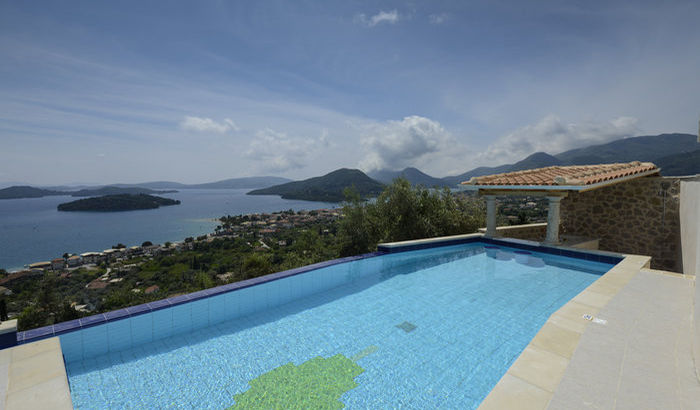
x: 277, y: 152
x: 553, y: 136
x: 438, y: 18
x: 409, y: 142
x: 390, y: 17
x: 199, y: 124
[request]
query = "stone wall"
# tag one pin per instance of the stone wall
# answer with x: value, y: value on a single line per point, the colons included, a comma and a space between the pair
x: 640, y: 216
x: 532, y: 232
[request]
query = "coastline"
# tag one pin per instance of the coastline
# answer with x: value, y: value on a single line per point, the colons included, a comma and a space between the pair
x: 179, y: 240
x: 33, y: 230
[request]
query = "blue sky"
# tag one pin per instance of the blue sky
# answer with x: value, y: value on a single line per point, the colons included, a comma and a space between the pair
x: 104, y: 92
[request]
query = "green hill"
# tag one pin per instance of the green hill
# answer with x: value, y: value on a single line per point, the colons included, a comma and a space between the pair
x: 16, y: 192
x: 115, y: 203
x: 327, y: 188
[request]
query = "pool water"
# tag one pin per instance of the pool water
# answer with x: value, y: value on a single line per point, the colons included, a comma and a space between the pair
x: 434, y: 328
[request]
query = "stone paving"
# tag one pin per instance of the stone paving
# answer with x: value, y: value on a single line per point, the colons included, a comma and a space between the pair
x: 34, y: 377
x: 642, y: 357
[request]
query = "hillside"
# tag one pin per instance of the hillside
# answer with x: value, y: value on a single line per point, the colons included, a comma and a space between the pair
x: 116, y: 203
x: 685, y: 163
x: 645, y: 148
x: 232, y: 183
x: 412, y: 175
x: 113, y: 190
x: 667, y: 148
x: 327, y: 188
x: 16, y: 192
x: 242, y: 183
x: 536, y: 160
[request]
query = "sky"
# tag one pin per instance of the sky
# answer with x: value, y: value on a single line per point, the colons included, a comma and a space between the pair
x: 122, y: 92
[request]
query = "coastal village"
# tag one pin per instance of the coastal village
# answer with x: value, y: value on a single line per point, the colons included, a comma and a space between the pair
x: 260, y: 232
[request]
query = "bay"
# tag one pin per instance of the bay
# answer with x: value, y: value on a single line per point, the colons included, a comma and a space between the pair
x: 33, y: 230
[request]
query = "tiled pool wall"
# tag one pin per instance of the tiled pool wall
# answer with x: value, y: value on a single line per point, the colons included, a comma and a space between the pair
x: 590, y: 255
x: 133, y: 326
x: 126, y: 328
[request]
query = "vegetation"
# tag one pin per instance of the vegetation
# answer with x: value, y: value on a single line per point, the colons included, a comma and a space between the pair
x: 404, y: 212
x: 327, y: 188
x: 114, y: 203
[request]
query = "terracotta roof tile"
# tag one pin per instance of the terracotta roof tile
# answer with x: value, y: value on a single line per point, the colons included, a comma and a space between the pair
x: 566, y: 175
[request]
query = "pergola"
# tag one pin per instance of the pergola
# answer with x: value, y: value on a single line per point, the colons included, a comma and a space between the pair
x: 555, y: 183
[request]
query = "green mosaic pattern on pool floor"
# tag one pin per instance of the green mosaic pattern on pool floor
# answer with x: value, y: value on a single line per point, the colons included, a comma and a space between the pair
x: 317, y: 383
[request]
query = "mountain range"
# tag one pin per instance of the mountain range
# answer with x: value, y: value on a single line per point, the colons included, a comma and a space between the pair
x: 676, y: 155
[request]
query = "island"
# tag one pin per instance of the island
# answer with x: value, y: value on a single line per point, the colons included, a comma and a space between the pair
x: 116, y: 203
x: 19, y: 192
x: 326, y: 188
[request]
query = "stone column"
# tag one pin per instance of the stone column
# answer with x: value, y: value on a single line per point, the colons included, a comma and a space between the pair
x: 490, y: 216
x: 553, y: 220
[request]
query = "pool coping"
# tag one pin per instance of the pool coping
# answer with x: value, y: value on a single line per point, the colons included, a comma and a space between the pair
x: 532, y: 379
x: 34, y: 376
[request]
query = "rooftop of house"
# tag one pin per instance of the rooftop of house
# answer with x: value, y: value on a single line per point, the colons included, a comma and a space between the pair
x: 574, y: 175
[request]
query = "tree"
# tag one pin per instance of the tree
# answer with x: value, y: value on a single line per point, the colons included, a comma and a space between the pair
x: 147, y: 243
x: 403, y: 212
x: 256, y: 264
x: 119, y: 246
x: 356, y: 232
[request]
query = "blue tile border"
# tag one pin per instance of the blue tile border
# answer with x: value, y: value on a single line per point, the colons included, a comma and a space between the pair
x: 90, y: 321
x: 58, y: 329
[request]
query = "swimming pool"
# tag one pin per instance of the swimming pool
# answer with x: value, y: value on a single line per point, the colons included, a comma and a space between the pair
x: 426, y: 328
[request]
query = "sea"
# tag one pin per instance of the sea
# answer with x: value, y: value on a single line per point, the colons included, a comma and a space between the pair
x: 33, y: 230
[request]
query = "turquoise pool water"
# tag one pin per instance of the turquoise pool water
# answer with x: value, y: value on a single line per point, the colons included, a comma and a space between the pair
x: 434, y: 328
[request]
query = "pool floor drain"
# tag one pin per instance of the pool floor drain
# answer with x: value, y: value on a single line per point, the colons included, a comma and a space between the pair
x: 407, y: 327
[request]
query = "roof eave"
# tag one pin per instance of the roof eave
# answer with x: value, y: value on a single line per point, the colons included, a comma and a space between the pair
x: 578, y: 188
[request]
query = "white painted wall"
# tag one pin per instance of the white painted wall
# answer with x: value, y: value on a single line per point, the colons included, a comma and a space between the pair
x: 690, y: 244
x: 690, y: 226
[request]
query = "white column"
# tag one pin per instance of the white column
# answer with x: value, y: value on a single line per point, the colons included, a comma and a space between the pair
x: 490, y: 215
x: 553, y: 220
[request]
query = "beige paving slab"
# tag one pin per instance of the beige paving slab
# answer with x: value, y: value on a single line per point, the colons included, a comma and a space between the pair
x: 51, y: 394
x: 33, y: 370
x: 573, y: 325
x: 575, y: 311
x: 556, y: 339
x: 539, y: 367
x: 36, y: 377
x: 513, y: 393
x: 30, y: 349
x: 593, y: 298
